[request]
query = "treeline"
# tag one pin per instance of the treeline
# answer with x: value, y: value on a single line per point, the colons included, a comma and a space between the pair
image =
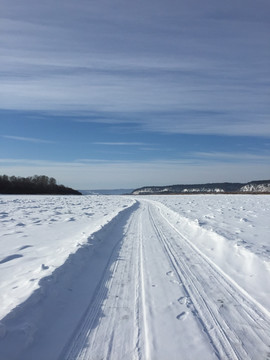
x: 33, y: 185
x: 258, y: 186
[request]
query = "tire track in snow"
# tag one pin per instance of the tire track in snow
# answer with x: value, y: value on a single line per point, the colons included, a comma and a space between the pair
x: 220, y: 342
x: 161, y: 334
x: 78, y: 347
x: 95, y: 338
x: 235, y: 325
x: 142, y: 341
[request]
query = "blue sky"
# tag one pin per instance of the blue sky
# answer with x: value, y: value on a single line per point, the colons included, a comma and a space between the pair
x: 121, y: 94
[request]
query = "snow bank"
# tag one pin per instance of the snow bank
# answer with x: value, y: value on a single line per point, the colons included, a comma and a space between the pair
x: 231, y: 230
x: 38, y: 233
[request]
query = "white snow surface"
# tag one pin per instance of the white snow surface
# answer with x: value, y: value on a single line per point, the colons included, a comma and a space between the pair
x: 38, y: 233
x: 126, y: 277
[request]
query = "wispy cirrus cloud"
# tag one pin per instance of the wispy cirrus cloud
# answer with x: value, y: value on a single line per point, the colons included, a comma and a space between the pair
x: 236, y: 157
x: 142, y: 78
x: 120, y: 143
x: 212, y: 80
x: 27, y: 139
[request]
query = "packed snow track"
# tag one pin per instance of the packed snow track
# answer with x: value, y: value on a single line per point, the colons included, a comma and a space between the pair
x: 153, y: 295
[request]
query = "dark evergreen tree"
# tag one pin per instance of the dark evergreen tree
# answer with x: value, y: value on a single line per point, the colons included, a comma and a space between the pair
x: 33, y: 185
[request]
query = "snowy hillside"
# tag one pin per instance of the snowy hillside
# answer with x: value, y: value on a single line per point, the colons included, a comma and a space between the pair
x: 123, y: 277
x: 262, y: 186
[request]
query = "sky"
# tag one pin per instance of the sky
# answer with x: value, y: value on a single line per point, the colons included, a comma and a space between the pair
x: 104, y: 94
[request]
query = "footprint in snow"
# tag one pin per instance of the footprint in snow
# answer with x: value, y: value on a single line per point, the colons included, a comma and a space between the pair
x: 89, y: 214
x: 25, y: 247
x: 175, y: 282
x: 182, y: 316
x: 70, y: 219
x: 182, y: 300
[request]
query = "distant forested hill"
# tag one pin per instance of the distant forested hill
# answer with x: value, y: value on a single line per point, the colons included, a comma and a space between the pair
x: 261, y: 186
x: 33, y: 185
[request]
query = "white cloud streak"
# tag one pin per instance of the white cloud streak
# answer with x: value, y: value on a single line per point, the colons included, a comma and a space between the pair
x: 204, y: 68
x: 27, y: 139
x: 120, y: 143
x: 221, y: 156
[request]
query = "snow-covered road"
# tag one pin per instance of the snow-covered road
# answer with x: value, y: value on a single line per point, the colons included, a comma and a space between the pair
x: 145, y: 308
x: 166, y: 300
x: 142, y: 289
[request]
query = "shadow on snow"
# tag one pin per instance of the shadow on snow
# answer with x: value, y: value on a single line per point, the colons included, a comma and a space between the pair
x: 68, y: 303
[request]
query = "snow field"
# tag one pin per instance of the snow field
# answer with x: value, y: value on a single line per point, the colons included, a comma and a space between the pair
x: 241, y: 248
x: 241, y: 219
x: 155, y: 277
x: 38, y: 233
